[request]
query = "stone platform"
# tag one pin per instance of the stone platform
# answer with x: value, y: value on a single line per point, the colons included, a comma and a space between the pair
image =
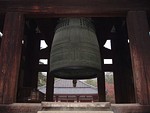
x: 73, y: 104
x: 63, y: 107
x: 38, y: 107
x: 74, y: 112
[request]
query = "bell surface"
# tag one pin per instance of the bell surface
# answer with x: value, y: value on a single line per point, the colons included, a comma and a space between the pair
x: 75, y: 51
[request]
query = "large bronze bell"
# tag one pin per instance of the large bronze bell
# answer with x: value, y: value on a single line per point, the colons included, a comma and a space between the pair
x: 75, y: 51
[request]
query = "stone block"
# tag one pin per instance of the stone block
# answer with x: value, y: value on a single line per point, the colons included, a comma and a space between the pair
x: 64, y: 104
x: 75, y: 112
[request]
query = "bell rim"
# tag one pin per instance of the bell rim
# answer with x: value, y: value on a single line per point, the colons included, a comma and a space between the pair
x: 97, y: 72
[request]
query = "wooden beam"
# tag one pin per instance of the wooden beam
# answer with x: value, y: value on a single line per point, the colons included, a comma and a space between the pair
x: 107, y: 54
x: 44, y: 53
x: 108, y: 67
x: 74, y: 7
x: 138, y: 31
x: 10, y: 56
x: 43, y: 68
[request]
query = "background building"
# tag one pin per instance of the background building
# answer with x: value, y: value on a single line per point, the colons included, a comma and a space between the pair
x: 65, y: 92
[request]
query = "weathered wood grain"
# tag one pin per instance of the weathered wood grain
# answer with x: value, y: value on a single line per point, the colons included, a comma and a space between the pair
x: 10, y: 56
x: 123, y: 77
x: 74, y: 7
x: 50, y: 87
x: 138, y: 32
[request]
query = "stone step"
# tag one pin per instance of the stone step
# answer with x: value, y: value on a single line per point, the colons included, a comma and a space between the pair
x: 75, y: 112
x: 64, y: 104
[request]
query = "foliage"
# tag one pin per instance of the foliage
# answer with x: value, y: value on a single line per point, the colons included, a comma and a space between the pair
x: 109, y: 77
x: 109, y: 84
x: 110, y: 96
x: 41, y: 79
x: 92, y: 82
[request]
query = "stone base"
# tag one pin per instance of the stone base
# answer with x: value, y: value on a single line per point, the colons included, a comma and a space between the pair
x: 63, y: 107
x: 69, y: 104
x: 75, y: 112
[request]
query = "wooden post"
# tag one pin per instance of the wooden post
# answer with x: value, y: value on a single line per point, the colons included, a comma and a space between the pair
x: 101, y: 88
x: 124, y: 86
x: 101, y: 80
x: 50, y: 88
x: 138, y: 32
x: 50, y: 78
x: 35, y: 62
x: 30, y: 63
x: 78, y: 100
x: 10, y: 56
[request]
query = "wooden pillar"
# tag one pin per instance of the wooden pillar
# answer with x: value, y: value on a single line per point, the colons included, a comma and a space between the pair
x: 10, y: 56
x: 138, y: 32
x: 31, y: 65
x: 78, y: 100
x: 35, y: 61
x: 56, y: 98
x: 124, y: 87
x: 0, y: 41
x: 101, y: 88
x: 29, y: 59
x: 49, y: 88
x: 50, y: 78
x: 101, y: 80
x: 123, y: 77
x: 1, y: 27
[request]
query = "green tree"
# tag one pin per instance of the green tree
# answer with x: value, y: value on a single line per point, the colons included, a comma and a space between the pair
x: 109, y: 77
x: 41, y: 79
x: 92, y: 82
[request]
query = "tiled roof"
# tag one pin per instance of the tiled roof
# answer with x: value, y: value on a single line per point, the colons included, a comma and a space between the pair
x: 75, y: 91
x: 63, y: 86
x: 68, y: 83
